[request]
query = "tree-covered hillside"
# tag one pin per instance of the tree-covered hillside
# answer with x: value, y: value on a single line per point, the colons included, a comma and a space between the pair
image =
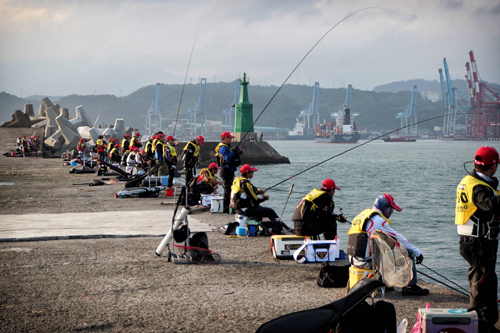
x: 376, y: 110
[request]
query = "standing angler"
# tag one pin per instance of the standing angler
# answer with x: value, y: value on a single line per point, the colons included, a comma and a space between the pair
x: 190, y: 157
x: 171, y: 160
x: 477, y: 217
x: 228, y: 159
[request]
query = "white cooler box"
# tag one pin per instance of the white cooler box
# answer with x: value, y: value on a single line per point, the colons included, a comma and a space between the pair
x: 283, y: 246
x: 217, y: 205
x: 448, y: 320
x: 206, y: 199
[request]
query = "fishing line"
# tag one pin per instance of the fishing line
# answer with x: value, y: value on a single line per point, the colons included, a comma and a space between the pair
x: 185, y: 78
x: 302, y: 60
x: 444, y: 284
x: 445, y: 278
x: 348, y: 150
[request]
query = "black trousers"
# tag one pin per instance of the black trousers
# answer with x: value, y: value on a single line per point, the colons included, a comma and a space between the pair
x: 329, y: 228
x: 481, y: 255
x: 188, y: 172
x: 227, y: 180
x: 260, y: 212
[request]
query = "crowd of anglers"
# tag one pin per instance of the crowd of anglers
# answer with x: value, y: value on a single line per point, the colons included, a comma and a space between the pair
x: 27, y: 146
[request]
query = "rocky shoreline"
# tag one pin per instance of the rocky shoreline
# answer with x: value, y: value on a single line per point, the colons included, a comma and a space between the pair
x: 119, y: 285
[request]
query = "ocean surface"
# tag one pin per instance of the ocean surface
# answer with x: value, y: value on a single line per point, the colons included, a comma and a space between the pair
x: 422, y: 177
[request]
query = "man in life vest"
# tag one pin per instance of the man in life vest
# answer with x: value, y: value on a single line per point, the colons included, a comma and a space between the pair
x: 101, y: 148
x: 245, y: 198
x: 131, y: 161
x: 80, y: 147
x: 159, y: 149
x: 314, y: 213
x: 114, y: 155
x: 477, y: 216
x: 190, y: 157
x: 148, y: 150
x: 125, y: 144
x: 170, y: 155
x: 135, y: 140
x: 206, y: 182
x: 229, y: 160
x: 377, y: 218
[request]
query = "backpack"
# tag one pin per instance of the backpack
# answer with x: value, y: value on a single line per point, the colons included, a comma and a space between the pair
x: 333, y: 276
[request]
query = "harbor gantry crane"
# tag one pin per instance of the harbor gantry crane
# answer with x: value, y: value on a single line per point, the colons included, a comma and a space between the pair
x: 455, y: 106
x: 153, y: 116
x: 409, y: 116
x: 199, y: 111
x: 483, y: 118
x: 310, y: 116
x: 228, y: 115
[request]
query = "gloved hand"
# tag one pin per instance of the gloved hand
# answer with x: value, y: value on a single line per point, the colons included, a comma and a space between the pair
x: 420, y: 258
x: 341, y: 218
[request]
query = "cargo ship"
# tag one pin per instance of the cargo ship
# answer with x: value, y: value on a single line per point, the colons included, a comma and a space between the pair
x: 399, y: 138
x: 300, y: 132
x: 341, y: 130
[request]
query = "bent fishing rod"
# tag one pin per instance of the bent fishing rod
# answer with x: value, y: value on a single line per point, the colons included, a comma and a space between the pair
x: 300, y: 62
x: 444, y: 284
x: 352, y: 148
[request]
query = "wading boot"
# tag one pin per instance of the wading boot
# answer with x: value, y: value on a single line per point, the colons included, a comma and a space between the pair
x: 414, y: 291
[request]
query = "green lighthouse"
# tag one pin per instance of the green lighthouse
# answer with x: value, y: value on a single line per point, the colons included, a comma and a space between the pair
x: 243, y: 118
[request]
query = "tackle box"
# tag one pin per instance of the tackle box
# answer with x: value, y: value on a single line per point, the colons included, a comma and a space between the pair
x: 448, y: 320
x: 283, y: 246
x: 217, y: 205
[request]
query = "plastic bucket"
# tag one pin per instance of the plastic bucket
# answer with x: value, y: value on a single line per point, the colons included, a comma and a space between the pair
x: 241, y: 231
x: 164, y: 180
x: 252, y: 230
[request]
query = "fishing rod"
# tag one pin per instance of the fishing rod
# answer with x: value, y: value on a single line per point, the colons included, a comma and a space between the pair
x: 289, y: 193
x: 355, y: 147
x: 445, y: 278
x: 185, y: 79
x: 301, y: 61
x: 444, y: 284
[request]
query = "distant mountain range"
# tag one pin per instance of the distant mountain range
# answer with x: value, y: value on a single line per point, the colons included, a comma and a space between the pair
x: 377, y: 109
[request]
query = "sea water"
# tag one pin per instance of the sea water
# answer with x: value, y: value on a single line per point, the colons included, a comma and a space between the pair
x: 422, y: 176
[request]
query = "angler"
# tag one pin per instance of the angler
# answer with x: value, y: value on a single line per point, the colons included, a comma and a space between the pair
x: 477, y: 218
x: 228, y: 159
x: 377, y: 218
x: 190, y: 157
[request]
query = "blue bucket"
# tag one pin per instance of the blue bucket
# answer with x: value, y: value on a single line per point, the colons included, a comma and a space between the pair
x: 241, y: 231
x: 252, y: 230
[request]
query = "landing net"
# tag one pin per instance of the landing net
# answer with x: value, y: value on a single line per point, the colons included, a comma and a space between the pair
x: 391, y: 259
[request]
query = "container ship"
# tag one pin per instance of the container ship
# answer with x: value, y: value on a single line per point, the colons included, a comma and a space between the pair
x: 341, y: 130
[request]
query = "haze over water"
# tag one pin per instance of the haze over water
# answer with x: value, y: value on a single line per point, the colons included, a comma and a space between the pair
x: 422, y: 176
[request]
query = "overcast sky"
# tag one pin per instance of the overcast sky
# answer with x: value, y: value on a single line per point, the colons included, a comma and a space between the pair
x: 115, y: 47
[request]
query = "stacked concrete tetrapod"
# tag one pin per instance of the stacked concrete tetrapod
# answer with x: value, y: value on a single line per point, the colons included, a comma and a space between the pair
x: 62, y: 134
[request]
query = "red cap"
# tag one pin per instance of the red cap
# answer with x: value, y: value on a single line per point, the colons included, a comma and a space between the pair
x: 82, y: 139
x: 201, y: 139
x: 385, y: 200
x: 213, y: 165
x: 159, y: 136
x: 486, y: 156
x: 247, y: 168
x: 226, y: 135
x: 114, y: 140
x: 328, y: 184
x: 171, y: 138
x: 137, y: 134
x: 153, y: 137
x: 127, y: 135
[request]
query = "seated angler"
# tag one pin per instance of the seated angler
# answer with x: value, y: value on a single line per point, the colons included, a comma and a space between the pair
x: 244, y: 196
x: 206, y: 182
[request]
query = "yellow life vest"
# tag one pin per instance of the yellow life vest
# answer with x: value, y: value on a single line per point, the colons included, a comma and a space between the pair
x: 148, y: 146
x: 109, y: 145
x: 196, y: 148
x: 173, y: 152
x: 236, y: 190
x: 311, y: 196
x: 358, y: 222
x: 155, y: 142
x: 220, y: 158
x: 465, y: 206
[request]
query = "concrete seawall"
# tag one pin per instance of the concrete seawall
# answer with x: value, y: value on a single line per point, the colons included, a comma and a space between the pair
x: 256, y: 153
